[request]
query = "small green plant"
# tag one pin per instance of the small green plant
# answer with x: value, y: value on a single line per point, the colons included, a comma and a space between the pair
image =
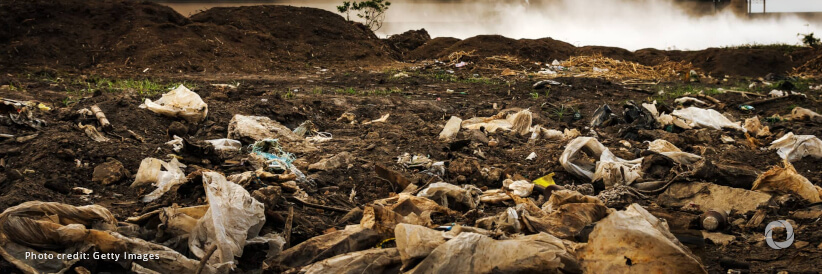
x: 810, y: 40
x: 289, y: 95
x: 535, y: 95
x: 317, y: 90
x: 372, y: 11
x: 561, y: 111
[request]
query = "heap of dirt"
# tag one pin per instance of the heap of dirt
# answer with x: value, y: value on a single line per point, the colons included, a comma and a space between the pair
x: 134, y: 36
x: 407, y: 41
x: 812, y: 67
x: 432, y: 48
x: 718, y: 62
x: 302, y: 33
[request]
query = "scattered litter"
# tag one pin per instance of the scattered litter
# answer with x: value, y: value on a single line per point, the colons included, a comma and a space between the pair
x: 707, y: 196
x: 451, y: 129
x: 633, y: 240
x: 709, y: 118
x: 179, y: 102
x: 545, y: 83
x: 380, y: 120
x: 13, y: 112
x: 804, y: 114
x: 91, y: 132
x: 781, y: 180
x: 151, y: 172
x: 795, y: 147
x: 531, y: 156
x: 176, y: 144
x: 226, y: 148
x: 452, y: 196
x: 342, y: 159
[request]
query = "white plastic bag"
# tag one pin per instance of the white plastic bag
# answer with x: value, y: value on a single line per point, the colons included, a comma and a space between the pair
x: 150, y: 172
x: 179, y: 102
x: 452, y: 127
x: 233, y: 217
x: 794, y: 147
x: 611, y: 169
x: 257, y: 128
x: 225, y: 147
x: 709, y: 118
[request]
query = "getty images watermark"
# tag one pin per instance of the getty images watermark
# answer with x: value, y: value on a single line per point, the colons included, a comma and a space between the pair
x: 769, y: 234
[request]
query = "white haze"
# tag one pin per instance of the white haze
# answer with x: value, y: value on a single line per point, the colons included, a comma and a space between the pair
x: 629, y: 24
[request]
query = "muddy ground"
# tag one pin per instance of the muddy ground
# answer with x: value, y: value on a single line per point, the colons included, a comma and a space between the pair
x: 47, y: 163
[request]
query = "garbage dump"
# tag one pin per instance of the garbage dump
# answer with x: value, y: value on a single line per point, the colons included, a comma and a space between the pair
x: 279, y: 139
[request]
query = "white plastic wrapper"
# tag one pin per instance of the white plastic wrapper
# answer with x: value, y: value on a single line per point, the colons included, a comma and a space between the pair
x: 794, y: 147
x: 707, y: 118
x: 233, y: 217
x: 179, y: 102
x: 151, y: 172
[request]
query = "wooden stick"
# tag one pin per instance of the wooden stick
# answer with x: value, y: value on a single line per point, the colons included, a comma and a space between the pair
x: 101, y: 117
x: 746, y: 93
x: 300, y: 201
x: 770, y: 100
x: 287, y: 230
x: 209, y: 252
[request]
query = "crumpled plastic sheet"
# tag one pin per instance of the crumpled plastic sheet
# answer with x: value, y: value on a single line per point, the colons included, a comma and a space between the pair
x: 611, y: 169
x: 233, y: 217
x: 636, y: 235
x: 179, y: 102
x: 782, y: 180
x: 795, y: 147
x: 465, y: 196
x: 708, y: 118
x: 150, y: 172
x: 375, y: 260
x: 64, y: 229
x: 276, y: 158
x: 476, y: 253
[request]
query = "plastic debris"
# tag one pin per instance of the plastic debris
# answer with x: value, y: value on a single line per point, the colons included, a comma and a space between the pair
x: 546, y: 180
x: 342, y: 159
x: 804, y: 114
x: 232, y: 217
x: 92, y: 132
x: 633, y: 240
x: 606, y: 165
x: 176, y: 144
x: 781, y: 180
x: 150, y: 172
x: 709, y: 118
x: 179, y: 102
x: 257, y: 128
x: 452, y: 127
x: 531, y: 156
x: 452, y: 196
x: 795, y: 147
x: 380, y: 120
x: 225, y: 147
x: 13, y: 112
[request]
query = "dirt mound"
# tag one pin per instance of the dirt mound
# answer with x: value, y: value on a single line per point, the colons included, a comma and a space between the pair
x: 494, y: 45
x: 408, y: 41
x: 432, y: 48
x: 812, y: 67
x: 133, y: 36
x: 307, y: 32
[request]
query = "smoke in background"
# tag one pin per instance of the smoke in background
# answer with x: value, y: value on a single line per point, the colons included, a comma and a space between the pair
x: 630, y: 24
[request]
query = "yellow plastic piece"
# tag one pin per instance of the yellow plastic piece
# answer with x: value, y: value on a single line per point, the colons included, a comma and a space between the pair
x: 546, y: 180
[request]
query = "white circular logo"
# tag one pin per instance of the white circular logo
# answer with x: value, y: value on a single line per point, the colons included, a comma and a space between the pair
x: 769, y: 234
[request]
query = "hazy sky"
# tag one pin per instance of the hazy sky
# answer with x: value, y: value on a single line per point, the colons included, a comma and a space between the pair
x: 631, y: 24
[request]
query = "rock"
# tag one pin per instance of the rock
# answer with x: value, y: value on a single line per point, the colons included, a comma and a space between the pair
x: 718, y: 238
x: 800, y: 244
x: 709, y: 196
x: 109, y: 172
x: 177, y: 129
x: 372, y: 135
x: 342, y: 159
